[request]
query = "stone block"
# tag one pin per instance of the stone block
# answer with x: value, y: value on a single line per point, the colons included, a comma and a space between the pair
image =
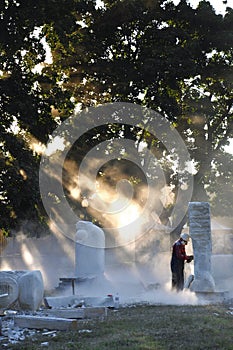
x: 38, y: 322
x: 8, y: 289
x: 78, y: 313
x: 31, y: 290
x: 72, y: 301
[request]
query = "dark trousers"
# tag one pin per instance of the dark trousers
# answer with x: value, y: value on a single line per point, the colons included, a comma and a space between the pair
x: 177, y: 276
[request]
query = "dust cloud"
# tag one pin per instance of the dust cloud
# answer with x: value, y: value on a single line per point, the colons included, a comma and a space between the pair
x: 138, y: 271
x: 134, y: 285
x: 138, y: 247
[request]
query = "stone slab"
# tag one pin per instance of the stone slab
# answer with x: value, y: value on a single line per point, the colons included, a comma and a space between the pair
x: 68, y: 301
x: 51, y: 323
x: 78, y: 313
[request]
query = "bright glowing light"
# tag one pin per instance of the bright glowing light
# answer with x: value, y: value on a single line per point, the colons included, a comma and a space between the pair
x: 58, y: 143
x: 37, y: 147
x: 23, y: 174
x: 134, y: 229
x: 229, y: 148
x: 100, y: 4
x: 127, y: 215
x: 48, y: 53
x: 75, y: 193
x: 27, y: 256
x: 15, y: 129
x: 127, y: 219
x: 218, y: 5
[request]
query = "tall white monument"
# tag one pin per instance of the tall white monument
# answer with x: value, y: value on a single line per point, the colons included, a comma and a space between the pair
x: 200, y: 232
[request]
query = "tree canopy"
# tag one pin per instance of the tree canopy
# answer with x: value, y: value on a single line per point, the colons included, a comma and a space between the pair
x: 174, y: 59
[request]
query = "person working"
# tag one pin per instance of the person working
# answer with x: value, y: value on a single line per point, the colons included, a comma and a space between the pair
x: 177, y: 261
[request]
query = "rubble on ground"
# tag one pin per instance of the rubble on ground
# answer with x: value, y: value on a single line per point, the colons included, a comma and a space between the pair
x: 17, y: 325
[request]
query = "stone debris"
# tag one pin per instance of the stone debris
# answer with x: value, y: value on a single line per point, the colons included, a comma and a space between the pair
x: 85, y: 331
x: 4, y: 295
x: 13, y: 335
x: 18, y: 325
x: 45, y: 343
x: 230, y: 311
x: 53, y: 333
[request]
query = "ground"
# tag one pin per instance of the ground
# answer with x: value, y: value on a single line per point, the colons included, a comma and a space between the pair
x: 144, y: 326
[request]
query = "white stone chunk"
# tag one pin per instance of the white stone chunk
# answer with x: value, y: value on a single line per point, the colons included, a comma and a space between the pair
x: 31, y: 290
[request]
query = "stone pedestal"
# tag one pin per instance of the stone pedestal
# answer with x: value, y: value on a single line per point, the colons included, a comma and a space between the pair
x: 200, y: 232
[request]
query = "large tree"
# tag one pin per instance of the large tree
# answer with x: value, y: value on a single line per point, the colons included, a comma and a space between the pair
x: 26, y: 118
x: 174, y: 59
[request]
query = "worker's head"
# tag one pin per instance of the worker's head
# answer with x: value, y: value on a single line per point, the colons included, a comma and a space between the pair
x: 184, y: 238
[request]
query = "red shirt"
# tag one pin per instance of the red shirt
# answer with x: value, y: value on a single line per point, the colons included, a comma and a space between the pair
x: 178, y: 251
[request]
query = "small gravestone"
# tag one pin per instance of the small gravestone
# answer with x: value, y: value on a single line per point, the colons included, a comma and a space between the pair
x: 200, y: 232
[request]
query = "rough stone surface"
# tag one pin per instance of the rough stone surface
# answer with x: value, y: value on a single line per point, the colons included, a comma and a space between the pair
x: 76, y: 313
x: 31, y: 290
x: 39, y: 322
x: 90, y: 246
x: 8, y: 288
x: 24, y: 287
x: 200, y: 232
x: 73, y: 301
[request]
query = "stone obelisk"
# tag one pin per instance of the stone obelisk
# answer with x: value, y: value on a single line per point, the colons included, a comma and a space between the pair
x: 200, y: 232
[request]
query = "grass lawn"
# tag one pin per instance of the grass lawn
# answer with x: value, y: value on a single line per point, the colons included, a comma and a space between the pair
x: 145, y: 327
